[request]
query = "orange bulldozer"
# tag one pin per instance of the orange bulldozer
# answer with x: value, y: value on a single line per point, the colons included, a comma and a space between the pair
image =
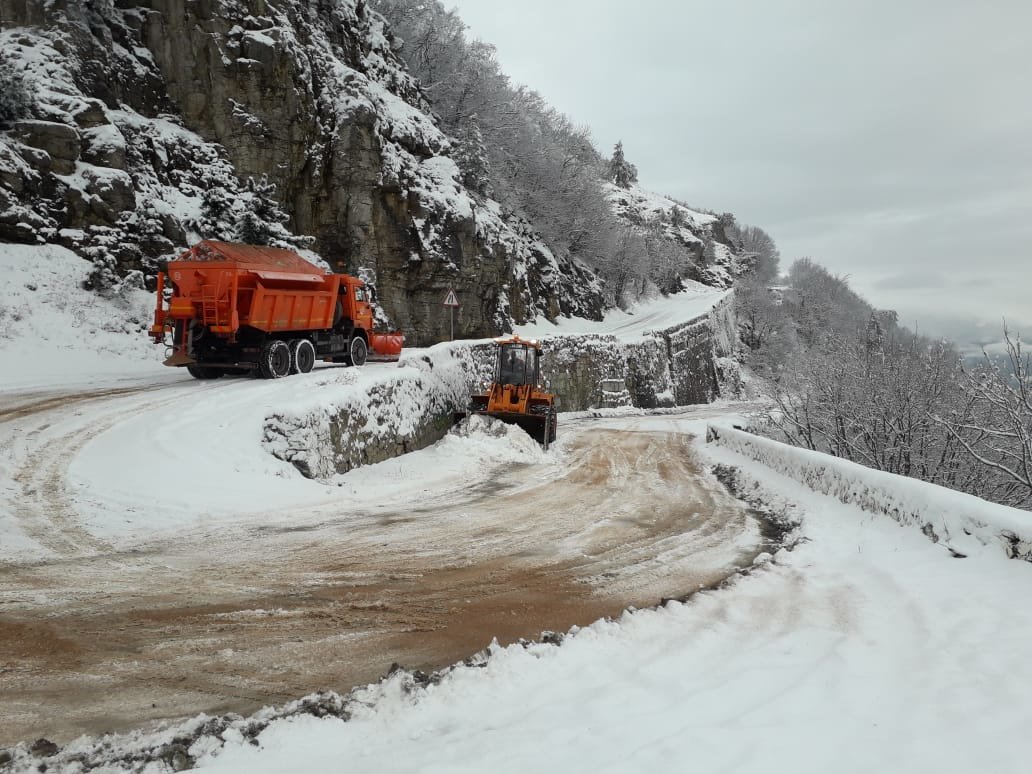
x: 517, y: 395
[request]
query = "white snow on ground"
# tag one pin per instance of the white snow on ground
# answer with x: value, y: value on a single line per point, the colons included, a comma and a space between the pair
x: 653, y: 207
x: 54, y: 333
x: 176, y: 453
x: 959, y: 521
x: 191, y: 456
x: 653, y: 315
x: 866, y: 648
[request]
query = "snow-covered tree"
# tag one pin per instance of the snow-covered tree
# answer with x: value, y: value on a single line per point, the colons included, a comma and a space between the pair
x: 15, y: 98
x: 260, y: 220
x: 759, y: 251
x: 217, y: 217
x: 621, y: 171
x: 472, y: 158
x: 994, y: 424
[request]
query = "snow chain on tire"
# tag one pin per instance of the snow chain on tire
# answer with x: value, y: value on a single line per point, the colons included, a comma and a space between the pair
x: 274, y: 359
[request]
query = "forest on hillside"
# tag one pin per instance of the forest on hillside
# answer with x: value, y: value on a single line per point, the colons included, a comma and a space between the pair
x: 846, y: 379
x: 545, y: 169
x: 843, y: 377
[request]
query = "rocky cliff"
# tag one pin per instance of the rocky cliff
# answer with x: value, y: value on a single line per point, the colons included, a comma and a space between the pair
x: 153, y: 124
x: 708, y: 253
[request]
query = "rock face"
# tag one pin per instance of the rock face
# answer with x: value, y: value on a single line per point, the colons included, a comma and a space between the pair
x: 149, y: 119
x: 678, y: 366
x: 709, y: 253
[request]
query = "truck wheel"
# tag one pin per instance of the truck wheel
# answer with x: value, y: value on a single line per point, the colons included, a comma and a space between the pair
x: 302, y: 356
x: 204, y: 372
x: 358, y: 351
x: 274, y: 359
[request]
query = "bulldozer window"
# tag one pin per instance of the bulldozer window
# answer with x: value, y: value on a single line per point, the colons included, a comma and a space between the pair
x: 512, y: 365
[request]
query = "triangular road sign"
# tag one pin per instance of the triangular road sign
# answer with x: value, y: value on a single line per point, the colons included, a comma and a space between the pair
x: 451, y: 299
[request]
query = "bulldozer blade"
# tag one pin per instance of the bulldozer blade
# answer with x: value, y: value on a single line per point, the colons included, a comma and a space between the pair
x: 532, y: 424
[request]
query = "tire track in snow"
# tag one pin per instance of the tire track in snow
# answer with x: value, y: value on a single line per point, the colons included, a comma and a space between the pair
x: 43, y: 508
x: 230, y: 619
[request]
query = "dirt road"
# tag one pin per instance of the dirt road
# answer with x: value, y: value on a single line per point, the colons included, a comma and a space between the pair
x: 105, y: 637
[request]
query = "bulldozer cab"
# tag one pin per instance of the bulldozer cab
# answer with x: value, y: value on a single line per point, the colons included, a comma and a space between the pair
x: 517, y: 364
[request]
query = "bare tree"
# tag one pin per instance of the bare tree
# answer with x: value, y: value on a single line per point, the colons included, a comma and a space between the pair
x: 994, y: 425
x: 758, y: 250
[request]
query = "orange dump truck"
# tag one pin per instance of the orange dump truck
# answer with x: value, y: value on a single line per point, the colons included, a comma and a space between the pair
x: 251, y: 309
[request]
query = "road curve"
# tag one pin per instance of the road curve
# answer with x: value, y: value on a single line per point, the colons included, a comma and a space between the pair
x: 106, y: 637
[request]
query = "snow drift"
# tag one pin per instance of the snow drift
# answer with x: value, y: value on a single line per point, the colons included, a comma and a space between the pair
x: 959, y: 521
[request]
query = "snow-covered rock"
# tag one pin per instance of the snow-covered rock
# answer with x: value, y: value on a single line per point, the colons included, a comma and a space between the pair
x: 147, y: 125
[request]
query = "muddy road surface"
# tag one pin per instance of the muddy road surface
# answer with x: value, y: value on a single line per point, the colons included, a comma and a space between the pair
x: 102, y: 636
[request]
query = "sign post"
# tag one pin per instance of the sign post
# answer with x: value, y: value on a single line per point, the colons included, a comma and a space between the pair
x: 451, y: 301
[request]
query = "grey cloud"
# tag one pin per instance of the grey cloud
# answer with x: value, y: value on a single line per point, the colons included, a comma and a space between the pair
x: 911, y: 282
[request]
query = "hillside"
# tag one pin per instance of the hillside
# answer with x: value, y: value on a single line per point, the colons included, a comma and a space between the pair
x: 707, y: 252
x: 142, y: 129
x: 149, y: 127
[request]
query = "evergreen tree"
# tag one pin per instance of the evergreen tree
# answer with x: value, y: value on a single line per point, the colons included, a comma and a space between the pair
x: 216, y: 213
x: 709, y: 252
x: 621, y: 171
x: 15, y: 100
x: 874, y: 335
x: 264, y: 201
x: 260, y: 220
x: 252, y: 230
x: 472, y: 158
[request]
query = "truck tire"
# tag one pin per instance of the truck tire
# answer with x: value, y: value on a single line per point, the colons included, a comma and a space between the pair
x: 204, y: 372
x: 358, y: 350
x: 274, y: 359
x: 302, y: 356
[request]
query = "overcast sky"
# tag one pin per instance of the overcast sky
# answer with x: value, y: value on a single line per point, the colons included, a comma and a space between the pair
x: 889, y: 141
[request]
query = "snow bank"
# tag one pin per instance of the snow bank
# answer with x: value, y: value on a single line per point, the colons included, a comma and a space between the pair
x: 346, y: 423
x: 53, y: 332
x: 959, y: 521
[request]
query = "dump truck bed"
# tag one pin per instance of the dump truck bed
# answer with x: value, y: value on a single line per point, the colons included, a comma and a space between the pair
x: 266, y: 288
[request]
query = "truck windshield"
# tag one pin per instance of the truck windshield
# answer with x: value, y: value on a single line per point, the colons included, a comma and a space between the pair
x: 515, y: 364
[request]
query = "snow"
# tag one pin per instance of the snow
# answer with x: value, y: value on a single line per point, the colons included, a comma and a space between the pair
x: 865, y: 648
x: 53, y: 332
x: 959, y: 521
x: 652, y: 206
x: 657, y: 314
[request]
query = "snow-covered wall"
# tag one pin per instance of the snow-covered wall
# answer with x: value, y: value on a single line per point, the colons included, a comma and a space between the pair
x: 677, y: 366
x: 960, y: 521
x: 413, y: 406
x: 405, y: 409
